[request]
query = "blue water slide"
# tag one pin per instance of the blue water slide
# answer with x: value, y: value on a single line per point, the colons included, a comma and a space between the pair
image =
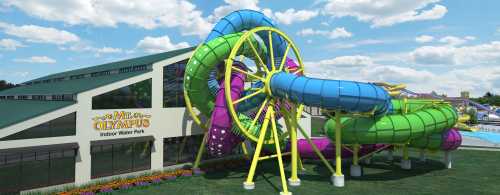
x: 331, y: 94
x: 242, y: 20
x: 239, y: 21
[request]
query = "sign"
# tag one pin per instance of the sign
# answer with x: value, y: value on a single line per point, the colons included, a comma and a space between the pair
x: 121, y: 123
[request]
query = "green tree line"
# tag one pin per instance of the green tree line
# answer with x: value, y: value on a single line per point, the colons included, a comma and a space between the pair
x: 488, y: 98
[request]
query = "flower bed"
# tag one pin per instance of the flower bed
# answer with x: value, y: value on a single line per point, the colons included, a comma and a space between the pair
x: 121, y: 184
x: 154, y: 178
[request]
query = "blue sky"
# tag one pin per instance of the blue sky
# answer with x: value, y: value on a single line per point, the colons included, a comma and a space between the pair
x: 445, y: 46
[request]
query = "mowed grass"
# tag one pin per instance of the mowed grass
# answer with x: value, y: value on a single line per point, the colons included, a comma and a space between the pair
x: 473, y: 172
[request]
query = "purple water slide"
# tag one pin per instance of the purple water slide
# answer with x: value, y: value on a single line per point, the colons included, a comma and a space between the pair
x: 221, y: 140
x: 451, y: 139
x: 327, y: 148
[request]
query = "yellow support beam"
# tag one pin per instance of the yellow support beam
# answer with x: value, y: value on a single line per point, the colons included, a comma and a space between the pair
x: 249, y: 184
x: 278, y: 152
x: 355, y: 154
x: 293, y: 147
x: 273, y: 156
x: 200, y: 151
x: 338, y: 144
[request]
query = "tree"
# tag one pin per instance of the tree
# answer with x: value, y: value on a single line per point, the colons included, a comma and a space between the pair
x: 488, y: 98
x: 5, y: 85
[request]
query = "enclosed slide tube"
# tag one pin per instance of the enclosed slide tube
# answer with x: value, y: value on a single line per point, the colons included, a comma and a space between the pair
x: 421, y: 121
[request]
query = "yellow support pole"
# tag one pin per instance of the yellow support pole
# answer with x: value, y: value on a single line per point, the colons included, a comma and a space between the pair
x: 200, y: 151
x: 405, y: 162
x: 294, y: 179
x: 245, y: 150
x: 300, y: 166
x: 355, y: 153
x: 405, y: 152
x: 249, y: 184
x: 278, y: 152
x: 338, y: 144
x: 338, y: 178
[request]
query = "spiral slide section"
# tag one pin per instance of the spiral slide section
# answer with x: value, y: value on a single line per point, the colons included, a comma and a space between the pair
x: 421, y: 121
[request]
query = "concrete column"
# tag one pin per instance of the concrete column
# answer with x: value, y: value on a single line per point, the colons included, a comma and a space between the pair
x: 422, y: 156
x: 390, y: 156
x: 157, y: 154
x: 447, y: 159
x: 83, y: 163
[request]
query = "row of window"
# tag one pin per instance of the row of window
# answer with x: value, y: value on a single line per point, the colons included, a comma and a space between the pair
x: 122, y: 158
x: 138, y: 95
x: 62, y: 126
x: 173, y: 89
x: 30, y: 170
x: 94, y: 74
x: 59, y: 97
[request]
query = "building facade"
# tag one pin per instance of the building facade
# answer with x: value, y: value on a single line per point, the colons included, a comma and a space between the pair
x: 90, y: 123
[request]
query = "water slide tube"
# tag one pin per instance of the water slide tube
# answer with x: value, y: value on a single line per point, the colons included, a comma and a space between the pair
x: 421, y: 120
x: 221, y: 139
x: 327, y: 148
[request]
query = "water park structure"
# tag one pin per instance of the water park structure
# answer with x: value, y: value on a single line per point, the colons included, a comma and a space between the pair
x: 249, y: 82
x: 241, y: 97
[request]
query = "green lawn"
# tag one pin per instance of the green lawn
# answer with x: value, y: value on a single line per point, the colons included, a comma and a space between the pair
x: 473, y: 172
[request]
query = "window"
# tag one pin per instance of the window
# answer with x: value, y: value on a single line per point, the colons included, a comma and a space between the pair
x: 102, y: 73
x: 137, y: 95
x: 62, y: 126
x: 58, y: 79
x: 113, y: 159
x: 28, y: 170
x: 173, y: 77
x: 80, y: 76
x: 64, y: 97
x: 180, y: 149
x: 39, y: 97
x: 22, y: 97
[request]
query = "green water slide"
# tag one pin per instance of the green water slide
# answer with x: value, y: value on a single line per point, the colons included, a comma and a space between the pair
x: 409, y: 120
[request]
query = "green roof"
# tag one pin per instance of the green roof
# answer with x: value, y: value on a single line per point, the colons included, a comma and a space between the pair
x: 120, y: 64
x: 14, y: 111
x: 68, y: 87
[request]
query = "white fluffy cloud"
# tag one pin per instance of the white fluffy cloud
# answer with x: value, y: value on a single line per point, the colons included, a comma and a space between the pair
x: 344, y: 61
x: 475, y: 79
x: 291, y: 16
x: 424, y: 39
x: 481, y: 54
x: 333, y: 34
x: 108, y: 50
x: 386, y: 12
x: 10, y: 44
x: 233, y: 5
x: 159, y: 44
x: 452, y: 40
x: 36, y: 59
x: 145, y: 14
x: 433, y: 55
x: 39, y: 34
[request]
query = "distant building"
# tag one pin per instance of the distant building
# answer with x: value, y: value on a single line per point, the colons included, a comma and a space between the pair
x: 464, y: 94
